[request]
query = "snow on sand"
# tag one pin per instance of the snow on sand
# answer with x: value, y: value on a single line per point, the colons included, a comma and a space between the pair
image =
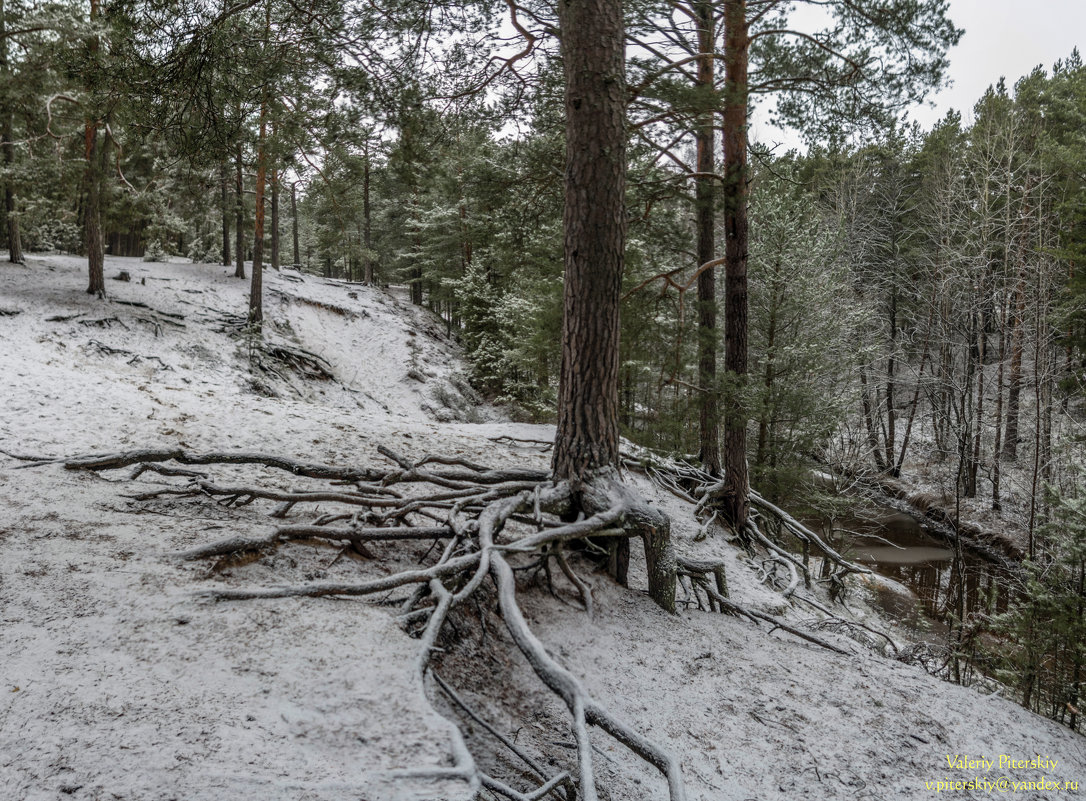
x: 117, y: 682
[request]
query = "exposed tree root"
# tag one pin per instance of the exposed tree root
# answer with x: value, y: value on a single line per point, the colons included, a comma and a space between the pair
x: 485, y: 524
x: 484, y: 519
x: 697, y: 487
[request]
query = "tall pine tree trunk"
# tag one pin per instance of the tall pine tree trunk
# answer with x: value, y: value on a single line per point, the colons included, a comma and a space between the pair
x: 736, y: 481
x: 595, y: 235
x: 705, y: 192
x: 92, y: 214
x: 7, y: 148
x: 256, y: 287
x: 92, y: 220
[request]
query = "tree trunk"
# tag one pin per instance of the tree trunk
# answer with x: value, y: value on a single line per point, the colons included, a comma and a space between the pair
x: 367, y: 257
x: 224, y: 175
x: 891, y: 412
x: 294, y: 224
x: 997, y: 503
x: 275, y: 219
x: 7, y: 146
x: 92, y: 220
x: 256, y: 288
x: 705, y: 192
x: 595, y: 235
x: 736, y: 481
x: 1014, y: 388
x: 770, y: 371
x: 978, y: 437
x: 869, y: 421
x: 239, y: 215
x: 92, y: 214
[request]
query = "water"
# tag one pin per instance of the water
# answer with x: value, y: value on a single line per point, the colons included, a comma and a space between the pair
x: 896, y: 546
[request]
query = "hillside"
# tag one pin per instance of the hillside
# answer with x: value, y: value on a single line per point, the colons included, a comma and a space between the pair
x: 120, y: 682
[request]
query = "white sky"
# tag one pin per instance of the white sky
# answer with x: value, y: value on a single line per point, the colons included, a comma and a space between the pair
x: 1005, y: 38
x: 1002, y: 38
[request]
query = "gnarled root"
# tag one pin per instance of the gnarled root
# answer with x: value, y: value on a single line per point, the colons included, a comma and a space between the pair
x: 483, y: 519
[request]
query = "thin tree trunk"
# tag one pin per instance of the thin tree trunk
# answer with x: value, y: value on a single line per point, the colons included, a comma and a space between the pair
x: 869, y: 421
x: 997, y: 502
x: 239, y: 215
x: 1014, y: 389
x: 973, y: 465
x: 770, y: 373
x: 294, y: 224
x: 275, y: 219
x: 224, y: 175
x: 92, y: 219
x: 256, y: 288
x: 595, y: 235
x: 7, y: 147
x: 367, y: 243
x: 705, y: 192
x: 891, y: 412
x: 916, y: 390
x: 736, y: 480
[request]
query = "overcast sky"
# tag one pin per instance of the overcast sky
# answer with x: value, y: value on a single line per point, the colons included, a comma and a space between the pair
x: 1002, y: 38
x: 1008, y: 38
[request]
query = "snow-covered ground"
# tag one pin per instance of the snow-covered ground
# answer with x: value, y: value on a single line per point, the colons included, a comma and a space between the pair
x: 118, y: 682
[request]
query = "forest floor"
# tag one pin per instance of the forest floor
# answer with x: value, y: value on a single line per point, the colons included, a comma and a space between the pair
x: 118, y: 682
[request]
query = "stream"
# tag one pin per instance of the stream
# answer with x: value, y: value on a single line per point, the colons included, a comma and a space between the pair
x: 896, y: 546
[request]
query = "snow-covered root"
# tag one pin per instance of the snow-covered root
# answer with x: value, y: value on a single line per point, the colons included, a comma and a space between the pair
x: 698, y: 487
x: 582, y: 707
x: 698, y: 579
x: 469, y: 508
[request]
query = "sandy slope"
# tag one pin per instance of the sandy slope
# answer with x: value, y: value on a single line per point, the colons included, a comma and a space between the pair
x: 116, y: 682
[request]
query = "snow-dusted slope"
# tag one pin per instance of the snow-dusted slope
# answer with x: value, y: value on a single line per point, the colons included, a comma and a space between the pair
x: 117, y: 682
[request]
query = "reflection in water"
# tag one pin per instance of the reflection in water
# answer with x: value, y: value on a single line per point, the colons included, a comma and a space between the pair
x: 899, y: 548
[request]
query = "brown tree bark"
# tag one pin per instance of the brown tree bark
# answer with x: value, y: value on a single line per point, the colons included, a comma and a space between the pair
x: 705, y: 197
x: 92, y: 214
x: 595, y: 235
x: 92, y: 219
x: 256, y: 287
x: 736, y: 502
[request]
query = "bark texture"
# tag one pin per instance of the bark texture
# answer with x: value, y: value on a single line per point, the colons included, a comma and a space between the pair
x: 239, y: 215
x: 92, y: 220
x: 595, y: 235
x: 256, y: 287
x: 7, y: 149
x: 275, y: 220
x: 736, y: 503
x: 705, y: 190
x: 224, y: 175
